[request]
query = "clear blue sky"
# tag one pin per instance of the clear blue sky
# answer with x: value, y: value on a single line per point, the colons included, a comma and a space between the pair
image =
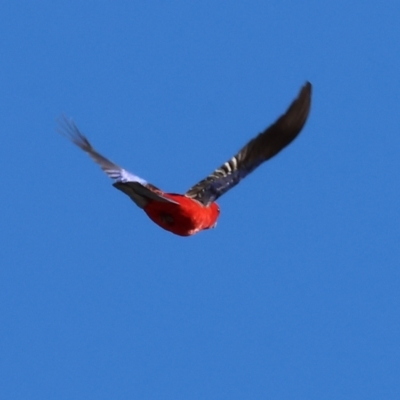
x: 295, y: 295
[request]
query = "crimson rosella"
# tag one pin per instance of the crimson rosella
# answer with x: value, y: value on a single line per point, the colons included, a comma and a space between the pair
x: 197, y: 210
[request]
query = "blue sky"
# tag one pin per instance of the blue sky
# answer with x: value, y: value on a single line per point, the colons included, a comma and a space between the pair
x: 295, y: 295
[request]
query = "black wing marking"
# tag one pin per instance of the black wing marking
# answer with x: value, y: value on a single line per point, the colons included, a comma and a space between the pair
x: 259, y: 149
x: 136, y: 188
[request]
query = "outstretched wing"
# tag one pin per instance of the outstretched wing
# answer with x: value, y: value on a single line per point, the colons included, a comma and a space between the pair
x: 136, y: 188
x: 260, y: 149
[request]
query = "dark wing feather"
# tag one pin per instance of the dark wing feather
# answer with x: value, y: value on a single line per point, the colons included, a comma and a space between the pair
x: 260, y: 149
x: 136, y: 188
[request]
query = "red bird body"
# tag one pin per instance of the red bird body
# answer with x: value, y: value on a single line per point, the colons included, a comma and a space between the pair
x: 196, y: 210
x: 185, y: 218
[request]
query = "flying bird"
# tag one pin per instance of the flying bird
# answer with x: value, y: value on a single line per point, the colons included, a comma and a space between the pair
x: 196, y: 210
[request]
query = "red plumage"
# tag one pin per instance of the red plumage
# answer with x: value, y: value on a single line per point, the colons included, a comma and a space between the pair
x: 185, y: 218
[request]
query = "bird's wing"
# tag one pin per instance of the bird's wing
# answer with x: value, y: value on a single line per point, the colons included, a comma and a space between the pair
x: 136, y: 188
x: 259, y: 149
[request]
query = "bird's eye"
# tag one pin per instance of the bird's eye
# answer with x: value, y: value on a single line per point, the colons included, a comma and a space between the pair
x: 167, y: 218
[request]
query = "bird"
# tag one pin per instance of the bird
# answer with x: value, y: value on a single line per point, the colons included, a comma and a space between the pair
x: 197, y: 210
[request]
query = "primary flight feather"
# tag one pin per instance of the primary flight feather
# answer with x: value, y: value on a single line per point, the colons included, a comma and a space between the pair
x: 197, y: 210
